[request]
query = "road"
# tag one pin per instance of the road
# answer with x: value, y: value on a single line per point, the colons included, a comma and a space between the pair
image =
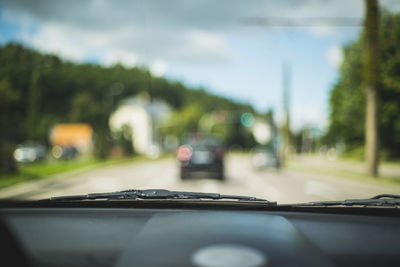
x: 282, y: 186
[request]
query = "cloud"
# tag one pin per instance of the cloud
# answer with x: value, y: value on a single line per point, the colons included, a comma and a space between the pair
x: 51, y: 39
x: 126, y: 58
x: 209, y: 45
x: 335, y: 56
x: 322, y: 31
x: 158, y: 67
x: 143, y: 31
x: 130, y: 32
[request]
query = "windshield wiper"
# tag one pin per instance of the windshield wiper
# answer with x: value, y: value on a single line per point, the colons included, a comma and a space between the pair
x: 154, y: 194
x: 384, y: 200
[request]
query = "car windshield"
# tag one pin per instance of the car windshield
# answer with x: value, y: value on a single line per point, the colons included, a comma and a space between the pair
x: 289, y: 101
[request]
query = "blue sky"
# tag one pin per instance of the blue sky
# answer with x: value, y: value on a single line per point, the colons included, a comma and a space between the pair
x: 202, y: 43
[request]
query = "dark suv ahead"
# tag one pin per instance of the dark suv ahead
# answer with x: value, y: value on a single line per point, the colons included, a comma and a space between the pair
x: 202, y: 158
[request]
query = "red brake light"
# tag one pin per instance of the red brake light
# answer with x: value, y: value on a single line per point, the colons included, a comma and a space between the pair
x: 184, y: 153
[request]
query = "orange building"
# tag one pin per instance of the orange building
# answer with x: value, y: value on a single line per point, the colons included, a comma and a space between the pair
x: 78, y: 135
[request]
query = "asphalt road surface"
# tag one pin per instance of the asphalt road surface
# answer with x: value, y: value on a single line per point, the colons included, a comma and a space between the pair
x: 282, y: 186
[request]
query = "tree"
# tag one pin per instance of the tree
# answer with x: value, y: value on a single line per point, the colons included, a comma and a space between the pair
x: 371, y: 76
x: 8, y: 97
x: 33, y: 105
x: 85, y: 108
x: 347, y: 101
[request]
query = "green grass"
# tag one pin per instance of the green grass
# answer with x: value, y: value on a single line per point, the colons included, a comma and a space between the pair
x: 41, y: 170
x: 342, y: 173
x: 358, y: 154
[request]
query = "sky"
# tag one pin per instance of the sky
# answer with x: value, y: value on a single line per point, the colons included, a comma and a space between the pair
x: 202, y: 43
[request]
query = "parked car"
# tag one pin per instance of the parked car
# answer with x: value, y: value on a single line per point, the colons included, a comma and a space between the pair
x: 64, y: 152
x: 265, y: 157
x: 202, y: 157
x: 29, y: 152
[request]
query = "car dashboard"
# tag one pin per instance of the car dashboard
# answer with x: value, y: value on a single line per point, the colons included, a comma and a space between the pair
x: 189, y: 236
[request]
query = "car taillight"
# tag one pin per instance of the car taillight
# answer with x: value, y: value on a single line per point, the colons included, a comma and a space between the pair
x: 184, y: 153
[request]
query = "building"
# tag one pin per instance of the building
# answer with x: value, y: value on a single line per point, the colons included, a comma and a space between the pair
x: 77, y: 135
x: 143, y: 118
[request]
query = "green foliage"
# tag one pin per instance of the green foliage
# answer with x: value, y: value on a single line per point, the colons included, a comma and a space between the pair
x: 347, y: 99
x: 8, y: 97
x: 44, y: 170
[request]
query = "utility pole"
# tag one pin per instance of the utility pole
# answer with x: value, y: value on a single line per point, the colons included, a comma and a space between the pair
x: 371, y: 76
x: 286, y: 73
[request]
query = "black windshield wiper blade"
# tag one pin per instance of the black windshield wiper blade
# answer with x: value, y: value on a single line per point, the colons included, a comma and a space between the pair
x: 154, y: 194
x: 383, y: 200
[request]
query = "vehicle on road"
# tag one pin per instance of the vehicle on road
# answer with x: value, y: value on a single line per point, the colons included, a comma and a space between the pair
x: 263, y: 157
x: 64, y: 152
x: 29, y: 152
x: 201, y: 157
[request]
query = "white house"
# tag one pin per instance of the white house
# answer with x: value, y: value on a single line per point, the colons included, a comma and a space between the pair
x: 143, y: 117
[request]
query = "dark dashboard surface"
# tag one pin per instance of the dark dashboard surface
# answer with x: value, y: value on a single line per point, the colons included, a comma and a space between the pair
x: 190, y: 237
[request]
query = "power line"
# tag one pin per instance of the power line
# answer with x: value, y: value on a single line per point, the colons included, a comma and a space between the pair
x: 303, y: 22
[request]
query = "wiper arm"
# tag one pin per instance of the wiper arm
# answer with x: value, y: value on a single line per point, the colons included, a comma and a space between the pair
x: 383, y: 200
x: 154, y: 194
